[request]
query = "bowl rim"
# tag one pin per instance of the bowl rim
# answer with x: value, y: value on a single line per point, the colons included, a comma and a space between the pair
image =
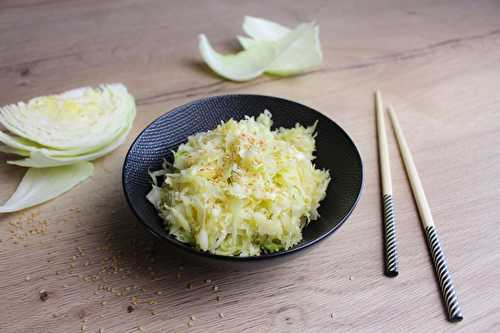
x: 193, y: 250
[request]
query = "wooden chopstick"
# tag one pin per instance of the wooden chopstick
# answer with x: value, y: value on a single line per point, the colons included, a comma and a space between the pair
x: 390, y: 238
x: 440, y: 264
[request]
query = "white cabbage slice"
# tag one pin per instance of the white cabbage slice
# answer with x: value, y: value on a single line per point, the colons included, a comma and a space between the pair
x: 41, y: 185
x: 261, y: 29
x: 301, y: 51
x: 295, y: 52
x: 244, y: 66
x: 305, y: 55
x: 77, y: 121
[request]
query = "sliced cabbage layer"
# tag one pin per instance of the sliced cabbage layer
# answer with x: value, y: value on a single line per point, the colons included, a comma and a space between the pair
x: 295, y: 52
x: 76, y: 122
x: 40, y: 159
x: 40, y: 185
x: 9, y: 150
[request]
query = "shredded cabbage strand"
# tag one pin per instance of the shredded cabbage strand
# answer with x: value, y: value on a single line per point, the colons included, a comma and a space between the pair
x: 242, y: 188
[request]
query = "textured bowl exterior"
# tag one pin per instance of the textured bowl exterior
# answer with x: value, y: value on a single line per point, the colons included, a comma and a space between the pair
x: 335, y: 151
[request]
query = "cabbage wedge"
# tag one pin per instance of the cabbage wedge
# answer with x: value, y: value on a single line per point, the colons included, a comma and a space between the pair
x: 78, y: 125
x: 58, y: 134
x: 78, y: 120
x: 40, y: 185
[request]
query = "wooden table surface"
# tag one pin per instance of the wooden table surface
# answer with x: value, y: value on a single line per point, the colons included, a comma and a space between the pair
x: 437, y: 62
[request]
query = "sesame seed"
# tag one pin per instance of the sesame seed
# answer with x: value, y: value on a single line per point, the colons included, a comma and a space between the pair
x: 192, y: 317
x: 43, y: 295
x: 140, y: 328
x: 208, y: 281
x: 221, y: 315
x: 217, y: 298
x: 215, y: 288
x: 189, y: 286
x: 190, y: 323
x: 351, y: 277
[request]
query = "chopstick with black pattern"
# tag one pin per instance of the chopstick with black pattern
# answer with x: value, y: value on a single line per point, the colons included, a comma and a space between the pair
x: 443, y: 274
x: 390, y: 239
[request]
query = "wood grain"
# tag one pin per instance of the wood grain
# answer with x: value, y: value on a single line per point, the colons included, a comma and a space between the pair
x: 437, y: 62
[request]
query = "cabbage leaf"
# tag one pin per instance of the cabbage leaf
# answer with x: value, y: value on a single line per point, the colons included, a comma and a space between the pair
x: 295, y: 52
x: 41, y: 185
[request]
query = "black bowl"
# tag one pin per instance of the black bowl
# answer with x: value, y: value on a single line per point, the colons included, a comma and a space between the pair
x: 335, y: 152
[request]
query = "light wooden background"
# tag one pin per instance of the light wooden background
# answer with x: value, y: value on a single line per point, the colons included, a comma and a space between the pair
x: 438, y: 62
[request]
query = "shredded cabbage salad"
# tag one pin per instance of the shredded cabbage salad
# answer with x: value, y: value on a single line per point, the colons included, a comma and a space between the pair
x: 242, y: 188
